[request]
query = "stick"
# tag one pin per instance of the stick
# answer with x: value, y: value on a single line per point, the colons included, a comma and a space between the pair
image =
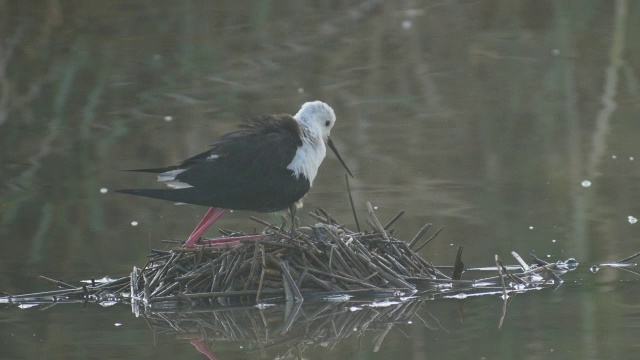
x: 504, y: 292
x: 376, y: 222
x: 353, y: 208
x: 264, y: 270
x: 419, y: 235
x: 431, y: 238
x: 58, y: 283
x: 395, y: 218
x: 289, y: 283
x: 183, y: 296
x: 252, y: 272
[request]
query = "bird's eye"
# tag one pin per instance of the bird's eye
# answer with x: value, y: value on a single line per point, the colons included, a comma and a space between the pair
x: 327, y: 123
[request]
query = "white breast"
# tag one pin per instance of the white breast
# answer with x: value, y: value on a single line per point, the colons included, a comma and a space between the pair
x: 308, y: 157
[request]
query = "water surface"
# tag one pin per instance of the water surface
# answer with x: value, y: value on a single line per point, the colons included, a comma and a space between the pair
x: 481, y: 116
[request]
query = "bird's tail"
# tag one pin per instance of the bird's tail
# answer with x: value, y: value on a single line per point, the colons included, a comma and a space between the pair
x: 187, y: 196
x: 154, y: 170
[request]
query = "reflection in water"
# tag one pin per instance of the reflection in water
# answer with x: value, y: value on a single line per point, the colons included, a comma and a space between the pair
x: 275, y: 329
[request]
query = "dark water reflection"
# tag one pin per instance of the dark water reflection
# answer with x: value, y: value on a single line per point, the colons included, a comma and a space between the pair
x: 481, y: 116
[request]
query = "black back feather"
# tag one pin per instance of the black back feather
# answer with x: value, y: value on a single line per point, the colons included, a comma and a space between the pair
x: 248, y: 169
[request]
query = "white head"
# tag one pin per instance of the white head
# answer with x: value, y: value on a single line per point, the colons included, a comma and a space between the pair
x: 317, y: 117
x: 315, y: 120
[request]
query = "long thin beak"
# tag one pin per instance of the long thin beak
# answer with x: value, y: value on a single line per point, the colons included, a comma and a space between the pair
x: 335, y: 151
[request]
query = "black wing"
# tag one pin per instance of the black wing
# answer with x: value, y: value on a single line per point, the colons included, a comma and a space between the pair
x: 244, y: 170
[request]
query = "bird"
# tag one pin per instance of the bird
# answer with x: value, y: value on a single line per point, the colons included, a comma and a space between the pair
x: 268, y: 164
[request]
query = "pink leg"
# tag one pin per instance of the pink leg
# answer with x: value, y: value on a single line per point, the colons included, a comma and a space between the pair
x: 209, y: 218
x: 204, y: 219
x: 203, y: 348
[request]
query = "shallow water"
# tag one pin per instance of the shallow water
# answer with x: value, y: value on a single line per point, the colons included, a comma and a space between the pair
x: 483, y: 117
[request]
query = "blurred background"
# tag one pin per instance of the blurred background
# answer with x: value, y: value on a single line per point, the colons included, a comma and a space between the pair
x: 514, y: 124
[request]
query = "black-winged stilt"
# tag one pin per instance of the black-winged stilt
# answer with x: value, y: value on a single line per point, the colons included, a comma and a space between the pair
x: 267, y: 165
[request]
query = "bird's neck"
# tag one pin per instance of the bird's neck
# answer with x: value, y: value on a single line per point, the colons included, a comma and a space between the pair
x: 309, y: 155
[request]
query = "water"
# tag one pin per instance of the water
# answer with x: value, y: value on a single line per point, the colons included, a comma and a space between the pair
x: 483, y: 117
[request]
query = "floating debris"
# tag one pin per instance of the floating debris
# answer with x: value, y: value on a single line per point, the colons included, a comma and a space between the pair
x: 323, y: 262
x: 624, y: 264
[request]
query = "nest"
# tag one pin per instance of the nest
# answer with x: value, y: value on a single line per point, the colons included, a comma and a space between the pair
x: 316, y: 262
